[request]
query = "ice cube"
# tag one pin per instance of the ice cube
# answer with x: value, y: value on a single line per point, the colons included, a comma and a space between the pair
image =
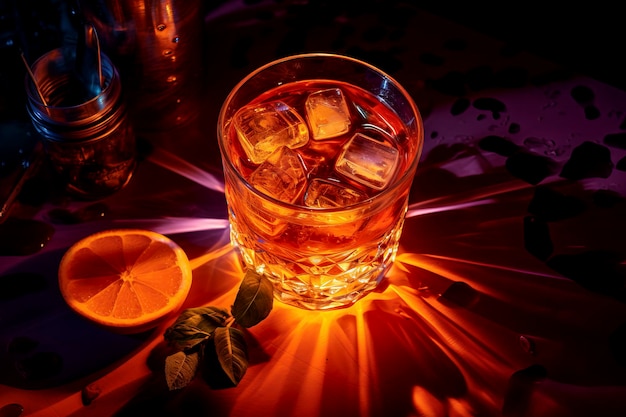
x: 368, y: 161
x: 326, y: 194
x: 327, y: 113
x: 265, y: 127
x: 281, y: 176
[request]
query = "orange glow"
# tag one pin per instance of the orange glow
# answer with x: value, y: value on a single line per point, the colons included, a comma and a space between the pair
x: 418, y: 345
x: 374, y: 355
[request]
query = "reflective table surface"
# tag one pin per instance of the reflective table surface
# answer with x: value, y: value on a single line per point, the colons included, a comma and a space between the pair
x: 507, y: 297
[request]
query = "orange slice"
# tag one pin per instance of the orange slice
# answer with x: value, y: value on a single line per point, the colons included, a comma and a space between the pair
x: 126, y: 280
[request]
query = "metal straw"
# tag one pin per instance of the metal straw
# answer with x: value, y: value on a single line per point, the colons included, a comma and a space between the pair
x: 32, y: 77
x: 94, y: 38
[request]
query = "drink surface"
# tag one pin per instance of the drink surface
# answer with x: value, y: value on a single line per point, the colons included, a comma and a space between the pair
x: 379, y: 140
x: 324, y: 159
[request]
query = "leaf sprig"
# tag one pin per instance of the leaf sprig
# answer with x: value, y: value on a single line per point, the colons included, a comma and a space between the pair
x: 211, y: 334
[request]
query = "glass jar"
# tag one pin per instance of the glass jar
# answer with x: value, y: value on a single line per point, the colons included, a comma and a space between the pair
x: 87, y: 135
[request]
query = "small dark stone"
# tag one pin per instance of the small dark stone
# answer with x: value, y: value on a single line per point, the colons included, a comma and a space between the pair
x: 582, y: 94
x: 591, y: 112
x: 520, y: 389
x: 461, y: 294
x: 89, y: 393
x: 498, y: 144
x: 588, y: 160
x: 537, y: 239
x: 495, y: 106
x: 459, y: 106
x: 550, y: 205
x: 434, y: 134
x: 514, y: 128
x: 527, y: 344
x: 11, y: 410
x: 616, y: 140
x: 529, y: 167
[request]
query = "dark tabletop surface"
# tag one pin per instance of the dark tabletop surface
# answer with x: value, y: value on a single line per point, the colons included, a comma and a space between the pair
x: 507, y: 297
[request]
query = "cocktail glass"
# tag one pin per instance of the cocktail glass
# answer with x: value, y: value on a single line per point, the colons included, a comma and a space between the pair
x: 319, y: 153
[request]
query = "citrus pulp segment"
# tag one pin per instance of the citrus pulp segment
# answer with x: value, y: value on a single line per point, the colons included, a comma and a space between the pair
x: 125, y: 279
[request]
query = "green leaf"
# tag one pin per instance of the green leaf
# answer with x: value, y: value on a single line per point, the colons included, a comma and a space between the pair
x: 195, y: 325
x: 254, y: 300
x: 180, y: 368
x: 203, y: 315
x: 232, y: 353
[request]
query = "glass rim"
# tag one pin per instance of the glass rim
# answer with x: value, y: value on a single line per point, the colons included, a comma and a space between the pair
x: 109, y: 72
x: 221, y: 121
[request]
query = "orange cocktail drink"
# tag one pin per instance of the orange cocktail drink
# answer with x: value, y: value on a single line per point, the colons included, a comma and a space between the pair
x: 319, y: 154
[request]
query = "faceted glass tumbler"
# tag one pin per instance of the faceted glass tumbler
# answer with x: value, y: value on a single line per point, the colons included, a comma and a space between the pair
x: 316, y: 218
